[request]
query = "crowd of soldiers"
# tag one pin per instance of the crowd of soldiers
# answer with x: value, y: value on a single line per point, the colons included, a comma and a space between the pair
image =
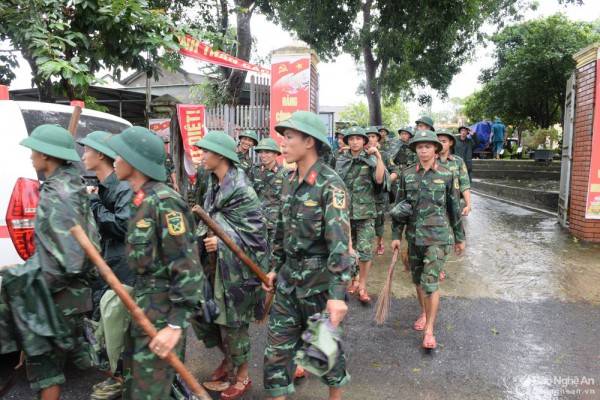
x: 310, y: 229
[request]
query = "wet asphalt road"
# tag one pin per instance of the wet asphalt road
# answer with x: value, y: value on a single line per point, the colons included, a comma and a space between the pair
x: 519, y: 319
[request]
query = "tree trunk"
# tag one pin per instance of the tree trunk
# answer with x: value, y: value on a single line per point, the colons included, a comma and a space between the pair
x: 235, y: 83
x: 224, y: 25
x: 372, y: 88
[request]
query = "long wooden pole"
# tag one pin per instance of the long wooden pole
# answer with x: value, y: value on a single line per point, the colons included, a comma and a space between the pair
x: 230, y: 243
x: 136, y: 311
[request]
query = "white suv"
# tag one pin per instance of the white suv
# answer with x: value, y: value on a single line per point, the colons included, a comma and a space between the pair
x: 18, y: 179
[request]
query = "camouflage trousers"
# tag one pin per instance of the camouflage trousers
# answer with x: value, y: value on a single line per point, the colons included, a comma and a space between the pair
x: 46, y: 370
x: 426, y: 262
x: 287, y: 320
x: 145, y: 375
x: 237, y: 340
x: 363, y: 232
x: 380, y: 219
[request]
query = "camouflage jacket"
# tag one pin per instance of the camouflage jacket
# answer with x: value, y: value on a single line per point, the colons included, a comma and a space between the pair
x: 245, y: 161
x: 55, y: 281
x: 170, y: 169
x: 163, y: 253
x: 335, y: 155
x: 388, y: 144
x: 434, y: 197
x: 358, y: 173
x: 457, y: 166
x: 391, y: 168
x: 403, y: 156
x: 235, y: 207
x: 268, y: 183
x: 310, y: 251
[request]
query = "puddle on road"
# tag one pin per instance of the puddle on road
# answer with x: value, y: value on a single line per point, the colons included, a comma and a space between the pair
x: 513, y: 254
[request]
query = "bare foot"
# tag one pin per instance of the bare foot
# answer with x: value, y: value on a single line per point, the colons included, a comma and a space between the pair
x: 419, y: 324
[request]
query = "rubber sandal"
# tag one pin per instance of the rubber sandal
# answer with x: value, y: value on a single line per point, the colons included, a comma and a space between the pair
x: 429, y: 344
x: 363, y: 296
x: 381, y: 250
x: 233, y: 393
x: 219, y: 375
x: 419, y: 324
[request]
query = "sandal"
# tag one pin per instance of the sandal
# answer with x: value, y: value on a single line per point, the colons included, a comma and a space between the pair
x: 353, y: 286
x: 419, y: 324
x: 429, y: 341
x: 220, y: 374
x: 363, y: 296
x: 381, y: 250
x: 232, y: 392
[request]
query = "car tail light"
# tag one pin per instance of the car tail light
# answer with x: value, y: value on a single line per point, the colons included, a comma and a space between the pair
x: 20, y: 215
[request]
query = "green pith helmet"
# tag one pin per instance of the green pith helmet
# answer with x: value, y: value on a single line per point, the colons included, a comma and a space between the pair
x: 308, y: 123
x: 463, y: 127
x: 269, y: 145
x: 406, y: 129
x: 424, y: 136
x: 143, y: 149
x: 337, y: 133
x: 220, y: 143
x: 375, y: 130
x: 52, y: 140
x: 97, y: 140
x: 249, y: 133
x: 382, y: 128
x: 446, y: 132
x: 427, y: 121
x: 355, y: 131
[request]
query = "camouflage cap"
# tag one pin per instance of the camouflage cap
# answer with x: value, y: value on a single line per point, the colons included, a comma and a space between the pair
x: 446, y: 132
x: 427, y: 121
x: 52, y: 140
x: 306, y: 122
x: 424, y: 136
x: 142, y: 149
x: 97, y: 140
x: 355, y: 131
x: 375, y: 130
x: 268, y: 144
x: 408, y: 129
x: 249, y: 133
x: 220, y: 143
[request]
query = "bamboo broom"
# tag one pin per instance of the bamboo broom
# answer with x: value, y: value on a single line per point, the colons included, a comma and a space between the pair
x: 383, y: 301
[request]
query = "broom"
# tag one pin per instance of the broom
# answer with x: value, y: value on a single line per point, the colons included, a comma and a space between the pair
x: 383, y: 301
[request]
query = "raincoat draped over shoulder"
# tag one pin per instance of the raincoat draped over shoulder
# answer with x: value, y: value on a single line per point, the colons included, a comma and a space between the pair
x: 55, y: 281
x: 235, y: 207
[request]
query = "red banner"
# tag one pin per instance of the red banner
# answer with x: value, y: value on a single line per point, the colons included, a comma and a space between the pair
x: 162, y: 127
x: 592, y: 209
x: 200, y: 51
x: 290, y: 87
x: 191, y: 124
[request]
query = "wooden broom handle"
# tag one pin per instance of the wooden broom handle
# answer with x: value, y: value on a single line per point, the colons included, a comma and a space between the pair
x: 74, y: 120
x: 136, y: 311
x: 230, y: 243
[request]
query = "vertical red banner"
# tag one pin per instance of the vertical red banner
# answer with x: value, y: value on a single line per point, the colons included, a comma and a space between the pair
x: 592, y: 209
x: 290, y: 88
x: 191, y: 124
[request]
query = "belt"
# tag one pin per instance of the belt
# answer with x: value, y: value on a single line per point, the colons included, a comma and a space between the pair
x: 306, y: 263
x: 151, y: 282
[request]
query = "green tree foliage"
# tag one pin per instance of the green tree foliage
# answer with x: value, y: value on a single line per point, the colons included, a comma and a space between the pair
x: 395, y: 115
x: 534, y: 59
x: 67, y: 43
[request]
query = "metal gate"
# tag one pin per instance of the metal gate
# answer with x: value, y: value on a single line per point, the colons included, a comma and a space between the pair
x: 567, y: 152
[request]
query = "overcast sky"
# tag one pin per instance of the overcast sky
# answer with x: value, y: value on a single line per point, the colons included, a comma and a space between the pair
x: 339, y: 79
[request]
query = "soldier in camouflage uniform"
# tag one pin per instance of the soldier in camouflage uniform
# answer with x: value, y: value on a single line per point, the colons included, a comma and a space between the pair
x: 387, y: 142
x: 163, y: 253
x: 248, y: 139
x: 402, y: 155
x: 381, y: 197
x: 170, y: 170
x: 233, y: 204
x: 455, y: 164
x: 365, y: 176
x: 267, y: 180
x: 311, y: 259
x: 433, y: 193
x: 342, y: 149
x: 424, y: 123
x: 110, y: 205
x: 58, y: 274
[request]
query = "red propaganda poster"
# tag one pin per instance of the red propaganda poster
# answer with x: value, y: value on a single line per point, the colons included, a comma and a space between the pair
x: 592, y: 209
x: 162, y: 127
x: 191, y: 124
x: 290, y: 87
